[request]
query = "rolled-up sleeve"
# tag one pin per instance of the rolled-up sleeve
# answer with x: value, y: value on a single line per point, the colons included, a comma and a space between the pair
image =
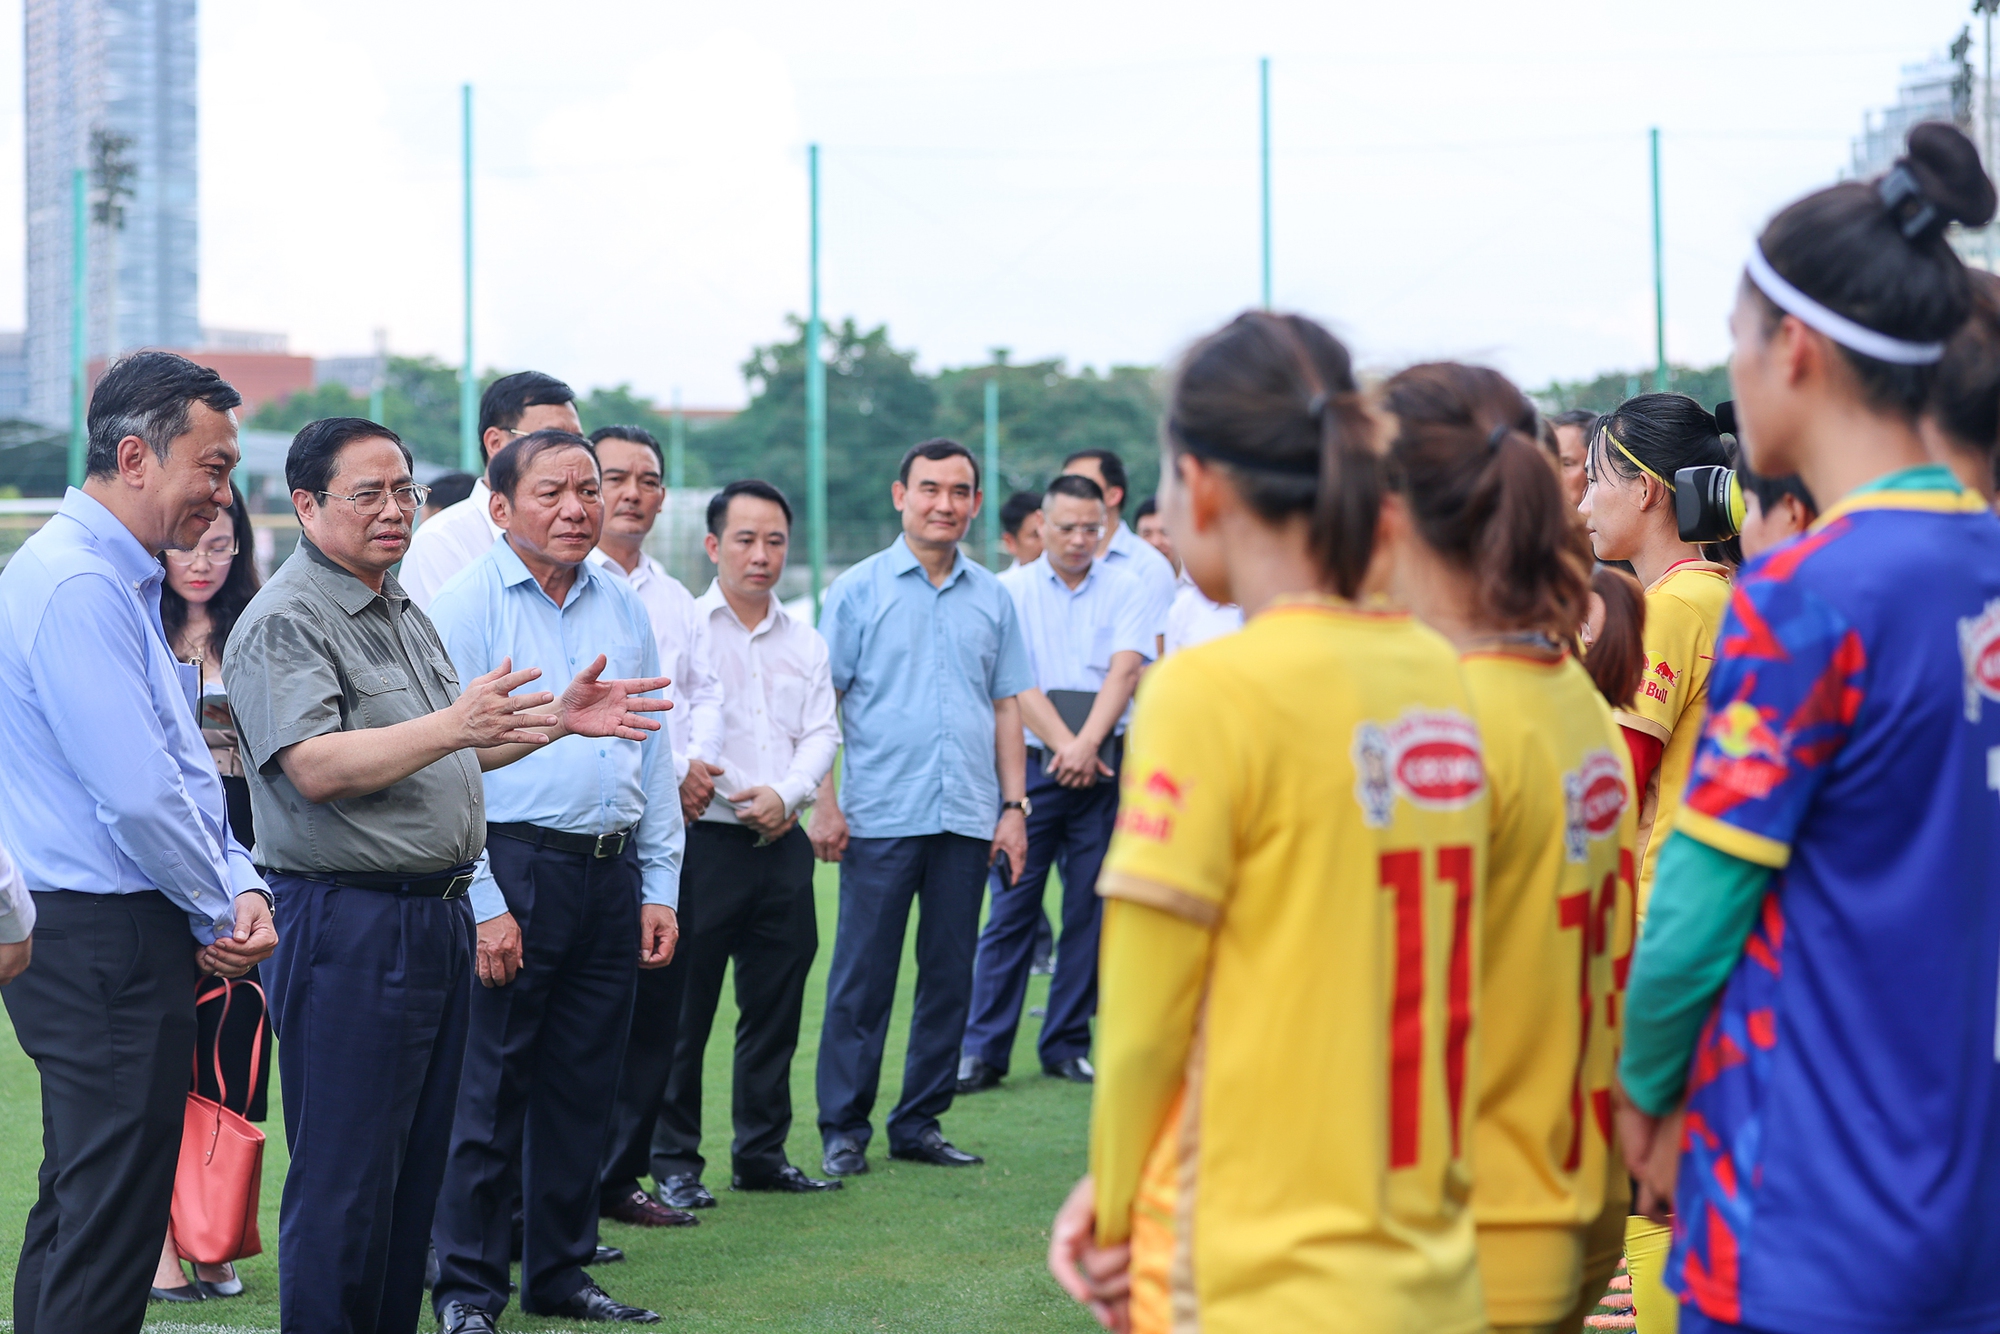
x: 17, y: 906
x: 86, y: 666
x: 283, y: 686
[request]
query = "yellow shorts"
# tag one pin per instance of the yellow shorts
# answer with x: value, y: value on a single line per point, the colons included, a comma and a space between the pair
x: 1657, y: 1310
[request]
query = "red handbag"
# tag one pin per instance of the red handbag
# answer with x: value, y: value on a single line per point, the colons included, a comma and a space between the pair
x: 221, y: 1171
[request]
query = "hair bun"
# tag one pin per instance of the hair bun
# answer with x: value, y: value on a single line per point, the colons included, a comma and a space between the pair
x: 1947, y: 170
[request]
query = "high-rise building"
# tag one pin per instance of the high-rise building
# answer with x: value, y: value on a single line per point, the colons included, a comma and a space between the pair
x: 109, y: 79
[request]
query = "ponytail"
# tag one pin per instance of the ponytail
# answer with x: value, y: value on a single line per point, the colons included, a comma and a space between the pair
x: 1272, y: 401
x: 1467, y: 462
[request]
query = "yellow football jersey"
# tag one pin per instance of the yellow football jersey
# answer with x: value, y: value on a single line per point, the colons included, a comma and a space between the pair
x: 1683, y: 613
x: 1555, y: 941
x: 1309, y: 795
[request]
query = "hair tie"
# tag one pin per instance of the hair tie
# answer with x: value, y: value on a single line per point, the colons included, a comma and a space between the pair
x: 1316, y: 407
x: 1500, y: 433
x: 1902, y: 194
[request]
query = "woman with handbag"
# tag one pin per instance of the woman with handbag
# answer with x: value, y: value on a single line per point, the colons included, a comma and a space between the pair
x: 204, y: 592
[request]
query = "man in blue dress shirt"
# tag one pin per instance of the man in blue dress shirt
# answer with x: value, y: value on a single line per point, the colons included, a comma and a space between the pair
x: 112, y: 807
x: 1121, y: 548
x: 1088, y: 637
x: 582, y: 877
x: 927, y: 657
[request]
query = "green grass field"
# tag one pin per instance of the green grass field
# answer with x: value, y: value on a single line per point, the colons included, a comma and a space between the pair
x: 906, y: 1247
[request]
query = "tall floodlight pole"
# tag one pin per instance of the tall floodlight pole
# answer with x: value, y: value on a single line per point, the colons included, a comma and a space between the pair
x: 469, y: 453
x: 378, y: 381
x: 993, y: 473
x: 815, y: 402
x: 1659, y: 279
x: 1985, y: 8
x: 676, y: 473
x: 78, y: 334
x: 1264, y: 163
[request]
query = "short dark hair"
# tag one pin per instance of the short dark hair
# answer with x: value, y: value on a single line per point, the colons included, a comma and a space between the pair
x: 1770, y: 490
x: 314, y: 458
x: 1016, y: 511
x: 504, y: 469
x: 637, y: 435
x: 148, y: 394
x: 1072, y: 484
x: 1147, y: 509
x: 718, y: 504
x: 451, y: 488
x: 940, y: 448
x: 1108, y: 463
x: 511, y: 395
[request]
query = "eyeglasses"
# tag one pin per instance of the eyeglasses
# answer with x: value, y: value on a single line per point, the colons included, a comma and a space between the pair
x: 1093, y: 531
x: 213, y: 552
x: 371, y: 502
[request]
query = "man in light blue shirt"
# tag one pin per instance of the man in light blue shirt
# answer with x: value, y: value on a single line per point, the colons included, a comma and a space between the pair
x: 927, y: 657
x: 578, y: 893
x: 1121, y: 548
x: 1089, y: 637
x: 114, y: 813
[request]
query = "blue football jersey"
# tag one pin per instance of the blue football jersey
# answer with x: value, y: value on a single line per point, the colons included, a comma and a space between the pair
x: 1840, y: 1166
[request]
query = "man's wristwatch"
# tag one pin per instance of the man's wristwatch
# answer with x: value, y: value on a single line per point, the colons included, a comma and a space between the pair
x: 1024, y: 806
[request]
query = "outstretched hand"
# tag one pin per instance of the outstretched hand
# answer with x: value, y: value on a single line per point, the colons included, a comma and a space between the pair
x: 590, y: 707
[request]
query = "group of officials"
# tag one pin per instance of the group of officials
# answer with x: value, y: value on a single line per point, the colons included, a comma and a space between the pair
x: 519, y: 800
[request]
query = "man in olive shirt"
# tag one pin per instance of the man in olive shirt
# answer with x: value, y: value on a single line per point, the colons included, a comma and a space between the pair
x: 370, y: 819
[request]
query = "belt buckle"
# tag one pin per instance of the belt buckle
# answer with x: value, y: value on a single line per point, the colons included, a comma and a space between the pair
x: 458, y: 888
x: 600, y: 852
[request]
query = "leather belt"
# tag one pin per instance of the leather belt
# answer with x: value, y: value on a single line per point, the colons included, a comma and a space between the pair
x: 598, y: 846
x: 448, y: 884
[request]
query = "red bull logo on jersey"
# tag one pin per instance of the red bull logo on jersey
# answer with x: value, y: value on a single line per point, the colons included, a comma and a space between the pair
x: 1430, y: 758
x: 1594, y: 796
x: 1979, y: 644
x: 1162, y: 784
x: 1664, y: 680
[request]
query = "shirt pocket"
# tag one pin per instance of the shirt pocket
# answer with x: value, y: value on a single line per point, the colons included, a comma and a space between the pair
x: 788, y: 707
x: 621, y: 660
x: 1100, y: 649
x: 382, y: 695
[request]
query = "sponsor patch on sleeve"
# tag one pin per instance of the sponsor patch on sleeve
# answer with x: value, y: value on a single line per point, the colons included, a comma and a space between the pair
x: 1594, y: 797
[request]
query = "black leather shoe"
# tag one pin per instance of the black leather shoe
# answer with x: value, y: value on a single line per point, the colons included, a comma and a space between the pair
x: 786, y: 1180
x: 935, y: 1149
x: 685, y: 1192
x: 187, y: 1292
x: 843, y: 1159
x: 1076, y: 1070
x: 642, y: 1210
x: 607, y: 1255
x: 976, y: 1076
x: 458, y: 1318
x: 594, y: 1304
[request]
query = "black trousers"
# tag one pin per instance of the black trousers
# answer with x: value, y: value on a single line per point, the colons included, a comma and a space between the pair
x: 649, y: 1054
x: 107, y: 1012
x: 944, y: 875
x: 370, y: 996
x: 541, y: 1070
x: 753, y: 905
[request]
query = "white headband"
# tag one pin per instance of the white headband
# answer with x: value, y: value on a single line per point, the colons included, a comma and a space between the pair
x: 1859, y: 338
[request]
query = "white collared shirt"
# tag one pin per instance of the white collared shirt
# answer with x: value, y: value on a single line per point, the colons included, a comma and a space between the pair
x: 780, y: 730
x: 1193, y: 619
x: 1154, y: 573
x: 695, y: 721
x: 17, y: 909
x: 443, y: 546
x: 1072, y: 632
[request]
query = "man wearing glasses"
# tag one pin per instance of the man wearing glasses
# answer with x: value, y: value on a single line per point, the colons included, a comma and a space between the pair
x: 365, y: 759
x: 1089, y: 632
x: 513, y: 406
x: 628, y: 460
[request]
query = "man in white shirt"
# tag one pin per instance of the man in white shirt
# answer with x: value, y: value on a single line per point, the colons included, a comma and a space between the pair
x: 629, y: 462
x: 514, y: 405
x: 1121, y: 548
x: 1193, y: 617
x: 747, y: 887
x: 1089, y: 634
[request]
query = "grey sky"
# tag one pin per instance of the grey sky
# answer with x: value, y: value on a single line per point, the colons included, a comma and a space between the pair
x: 1063, y: 179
